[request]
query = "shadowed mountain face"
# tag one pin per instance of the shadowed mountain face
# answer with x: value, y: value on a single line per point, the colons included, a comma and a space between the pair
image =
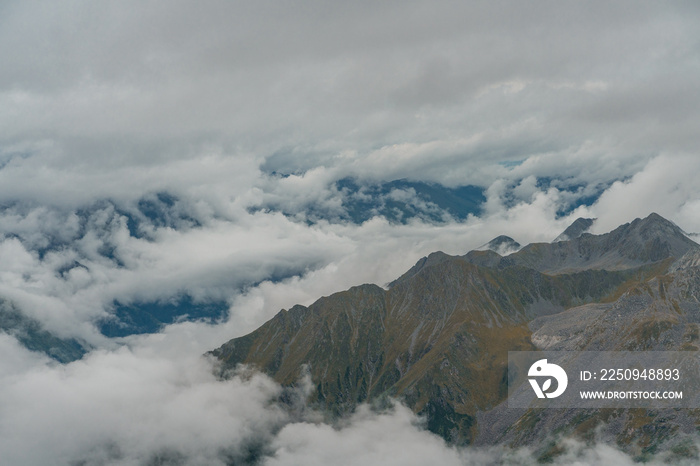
x: 438, y: 337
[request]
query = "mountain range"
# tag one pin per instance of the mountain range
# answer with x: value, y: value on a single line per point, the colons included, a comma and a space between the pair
x: 437, y: 338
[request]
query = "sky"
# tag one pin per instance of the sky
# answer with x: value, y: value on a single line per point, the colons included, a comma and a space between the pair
x: 245, y: 115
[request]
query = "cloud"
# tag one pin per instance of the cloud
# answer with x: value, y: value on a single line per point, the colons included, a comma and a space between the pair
x: 66, y: 267
x: 139, y: 406
x: 106, y: 106
x: 123, y: 407
x: 438, y: 93
x: 154, y: 399
x: 69, y: 288
x: 666, y: 186
x: 365, y: 438
x: 135, y: 406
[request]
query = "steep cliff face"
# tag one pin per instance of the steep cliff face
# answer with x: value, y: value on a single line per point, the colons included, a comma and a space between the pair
x: 438, y: 337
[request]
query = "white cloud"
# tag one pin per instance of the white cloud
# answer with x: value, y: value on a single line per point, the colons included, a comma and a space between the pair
x: 667, y: 185
x: 112, y: 110
x: 135, y: 406
x: 123, y: 408
x: 366, y: 438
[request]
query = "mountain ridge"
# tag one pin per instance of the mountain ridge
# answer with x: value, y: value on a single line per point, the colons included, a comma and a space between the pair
x: 631, y: 245
x: 438, y: 337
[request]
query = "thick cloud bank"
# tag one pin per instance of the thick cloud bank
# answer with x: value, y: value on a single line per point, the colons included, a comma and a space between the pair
x: 176, y: 152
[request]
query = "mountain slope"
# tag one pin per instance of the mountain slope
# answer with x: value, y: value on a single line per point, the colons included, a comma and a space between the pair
x: 438, y: 337
x: 658, y: 314
x: 421, y: 339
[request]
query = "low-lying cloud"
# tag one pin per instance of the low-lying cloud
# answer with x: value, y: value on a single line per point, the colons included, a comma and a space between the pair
x: 66, y: 267
x: 152, y: 398
x: 134, y: 406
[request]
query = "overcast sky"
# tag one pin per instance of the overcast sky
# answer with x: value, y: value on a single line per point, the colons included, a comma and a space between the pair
x: 106, y: 103
x: 120, y: 97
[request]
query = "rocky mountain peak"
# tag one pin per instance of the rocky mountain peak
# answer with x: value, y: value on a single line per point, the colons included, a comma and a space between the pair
x: 580, y: 226
x: 431, y: 259
x: 656, y: 225
x: 643, y: 241
x: 651, y: 239
x: 502, y: 244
